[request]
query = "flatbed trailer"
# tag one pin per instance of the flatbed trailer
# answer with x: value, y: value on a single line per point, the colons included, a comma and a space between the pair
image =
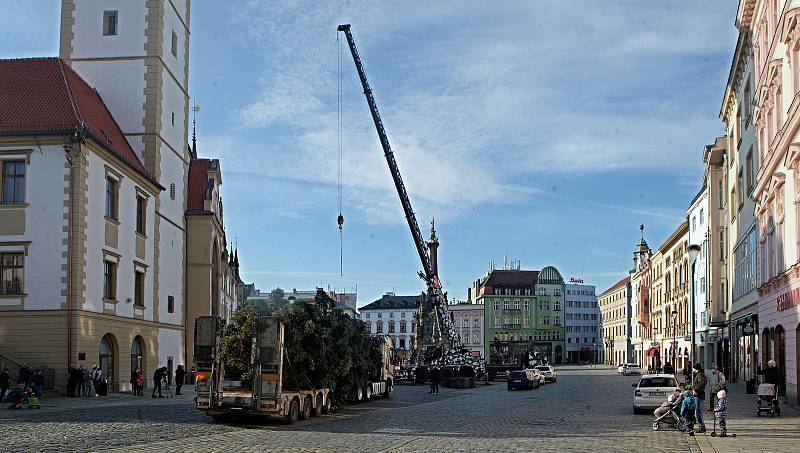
x: 266, y: 397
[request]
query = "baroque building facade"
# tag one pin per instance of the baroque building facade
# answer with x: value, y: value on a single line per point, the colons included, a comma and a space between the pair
x: 615, y: 321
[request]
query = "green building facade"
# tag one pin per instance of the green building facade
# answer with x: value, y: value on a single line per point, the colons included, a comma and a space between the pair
x: 523, y: 308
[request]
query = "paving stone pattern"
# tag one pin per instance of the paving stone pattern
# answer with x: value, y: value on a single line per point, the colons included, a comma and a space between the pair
x: 587, y: 410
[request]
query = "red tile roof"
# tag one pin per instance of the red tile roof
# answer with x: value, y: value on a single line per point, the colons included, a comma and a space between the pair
x: 45, y: 96
x: 198, y: 183
x: 618, y: 285
x: 511, y: 278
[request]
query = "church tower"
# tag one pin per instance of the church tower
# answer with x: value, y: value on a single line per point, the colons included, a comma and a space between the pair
x: 136, y: 55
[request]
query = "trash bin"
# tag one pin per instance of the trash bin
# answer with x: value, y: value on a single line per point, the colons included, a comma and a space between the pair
x: 750, y: 386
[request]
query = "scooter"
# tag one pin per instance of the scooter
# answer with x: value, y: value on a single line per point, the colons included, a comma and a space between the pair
x: 714, y: 432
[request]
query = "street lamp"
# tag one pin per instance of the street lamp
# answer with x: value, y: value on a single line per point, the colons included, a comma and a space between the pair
x: 694, y: 251
x: 674, y: 338
x: 594, y: 356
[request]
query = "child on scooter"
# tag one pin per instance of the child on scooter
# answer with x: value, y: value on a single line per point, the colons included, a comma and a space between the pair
x: 721, y: 412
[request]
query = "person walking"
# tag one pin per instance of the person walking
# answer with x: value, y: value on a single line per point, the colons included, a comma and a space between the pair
x: 716, y: 382
x: 699, y: 383
x: 772, y: 374
x: 139, y: 381
x: 96, y: 375
x: 435, y: 376
x: 158, y: 376
x: 180, y: 375
x: 87, y: 382
x: 38, y: 383
x: 5, y: 381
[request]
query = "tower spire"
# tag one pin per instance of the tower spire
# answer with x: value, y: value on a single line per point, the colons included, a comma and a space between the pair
x: 195, y: 109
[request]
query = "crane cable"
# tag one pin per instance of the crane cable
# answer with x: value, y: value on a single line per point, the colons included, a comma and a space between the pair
x: 340, y: 219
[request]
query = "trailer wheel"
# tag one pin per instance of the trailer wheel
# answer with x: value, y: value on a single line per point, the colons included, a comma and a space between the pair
x: 294, y: 412
x: 359, y: 394
x: 305, y: 414
x: 388, y: 388
x: 317, y: 410
x: 368, y: 392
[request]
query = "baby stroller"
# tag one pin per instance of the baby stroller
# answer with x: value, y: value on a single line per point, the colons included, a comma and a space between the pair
x: 768, y: 400
x: 668, y: 414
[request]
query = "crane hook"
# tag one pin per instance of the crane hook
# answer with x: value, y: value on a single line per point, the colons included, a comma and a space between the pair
x: 340, y: 220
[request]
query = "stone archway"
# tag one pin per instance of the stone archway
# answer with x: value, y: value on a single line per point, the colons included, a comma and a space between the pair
x: 108, y: 359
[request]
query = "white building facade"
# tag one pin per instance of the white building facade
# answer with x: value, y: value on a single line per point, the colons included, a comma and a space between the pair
x: 582, y: 322
x: 392, y: 316
x: 468, y: 321
x: 705, y: 337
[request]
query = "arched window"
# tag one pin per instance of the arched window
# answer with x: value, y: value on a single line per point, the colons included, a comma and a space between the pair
x: 107, y: 357
x: 557, y: 320
x: 137, y: 354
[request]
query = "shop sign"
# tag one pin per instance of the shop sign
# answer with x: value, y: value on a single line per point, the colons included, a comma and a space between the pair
x: 748, y: 330
x: 577, y: 281
x: 789, y: 299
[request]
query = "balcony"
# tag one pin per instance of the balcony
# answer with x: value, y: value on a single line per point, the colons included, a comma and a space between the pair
x: 512, y: 326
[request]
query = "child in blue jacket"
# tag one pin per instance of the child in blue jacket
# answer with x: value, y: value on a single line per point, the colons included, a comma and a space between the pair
x: 688, y: 408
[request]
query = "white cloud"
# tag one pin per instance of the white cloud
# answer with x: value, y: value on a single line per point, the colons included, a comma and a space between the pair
x: 477, y: 102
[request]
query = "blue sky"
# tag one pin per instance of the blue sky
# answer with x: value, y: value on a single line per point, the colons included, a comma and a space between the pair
x: 545, y: 133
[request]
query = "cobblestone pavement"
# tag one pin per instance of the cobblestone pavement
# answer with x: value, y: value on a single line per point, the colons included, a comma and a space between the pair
x: 586, y: 410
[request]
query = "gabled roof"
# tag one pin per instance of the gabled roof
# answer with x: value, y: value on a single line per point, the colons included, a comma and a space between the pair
x: 392, y: 302
x: 617, y: 285
x: 511, y: 278
x: 44, y: 96
x: 198, y: 183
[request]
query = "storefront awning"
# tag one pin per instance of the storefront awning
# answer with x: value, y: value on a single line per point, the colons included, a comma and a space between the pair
x: 746, y: 319
x: 652, y: 352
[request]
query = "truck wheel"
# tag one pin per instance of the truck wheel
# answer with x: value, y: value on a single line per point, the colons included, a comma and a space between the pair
x: 317, y: 410
x: 305, y: 414
x: 359, y: 394
x: 326, y: 408
x: 388, y: 388
x: 294, y: 412
x: 368, y: 392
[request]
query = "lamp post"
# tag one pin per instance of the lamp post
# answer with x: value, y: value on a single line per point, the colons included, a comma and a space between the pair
x: 694, y: 251
x: 674, y: 338
x: 594, y: 356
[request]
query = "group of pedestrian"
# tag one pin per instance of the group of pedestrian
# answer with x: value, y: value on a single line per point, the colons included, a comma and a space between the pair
x: 28, y: 389
x: 434, y: 376
x: 693, y: 397
x: 86, y: 383
x: 137, y: 382
x: 160, y: 379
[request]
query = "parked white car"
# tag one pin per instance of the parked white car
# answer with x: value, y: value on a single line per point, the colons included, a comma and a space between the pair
x: 652, y: 390
x: 538, y: 375
x: 548, y: 371
x: 631, y: 368
x: 621, y: 367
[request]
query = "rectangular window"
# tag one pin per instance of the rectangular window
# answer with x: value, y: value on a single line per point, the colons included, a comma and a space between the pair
x: 721, y: 245
x: 141, y: 212
x: 174, y: 44
x: 740, y: 188
x: 557, y: 305
x: 402, y: 327
x: 516, y: 305
x: 746, y: 101
x: 721, y: 195
x: 750, y: 170
x: 391, y: 326
x: 527, y: 291
x: 402, y: 314
x: 12, y: 272
x: 379, y: 327
x: 702, y: 217
x: 111, y: 198
x: 391, y: 315
x: 496, y: 305
x: 506, y: 305
x: 526, y: 320
x: 138, y: 289
x: 13, y: 177
x: 517, y: 292
x: 170, y: 304
x: 402, y: 343
x: 109, y: 280
x: 475, y: 323
x: 109, y: 23
x: 497, y: 320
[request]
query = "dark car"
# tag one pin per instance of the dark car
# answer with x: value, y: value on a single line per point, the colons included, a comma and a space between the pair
x: 522, y: 380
